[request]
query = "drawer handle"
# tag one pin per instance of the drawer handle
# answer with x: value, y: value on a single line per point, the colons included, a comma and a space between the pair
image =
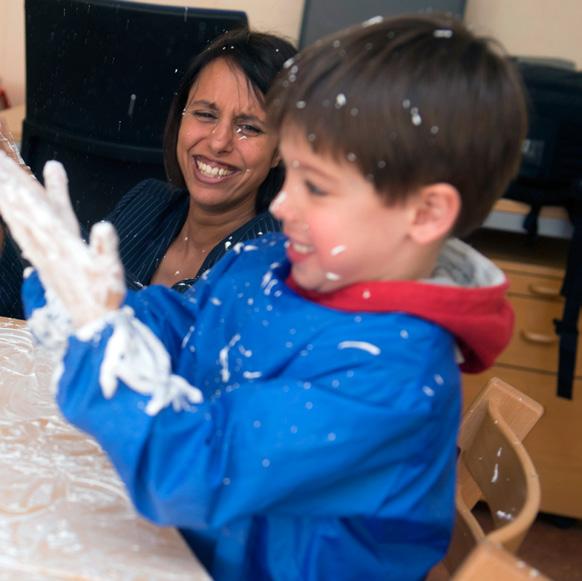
x: 544, y: 291
x: 539, y: 338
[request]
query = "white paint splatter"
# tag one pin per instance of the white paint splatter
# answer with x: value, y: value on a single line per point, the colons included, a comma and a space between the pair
x: 280, y: 199
x: 363, y: 345
x: 223, y: 358
x: 373, y: 20
x: 443, y: 33
x: 252, y: 374
x: 340, y: 100
x: 504, y: 515
x: 332, y: 276
x: 338, y: 249
x: 187, y: 336
x: 136, y: 356
x: 495, y: 476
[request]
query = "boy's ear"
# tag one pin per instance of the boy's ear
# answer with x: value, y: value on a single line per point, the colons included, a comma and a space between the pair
x: 438, y: 206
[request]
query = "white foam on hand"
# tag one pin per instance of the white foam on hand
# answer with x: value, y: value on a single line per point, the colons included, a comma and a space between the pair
x: 87, y: 279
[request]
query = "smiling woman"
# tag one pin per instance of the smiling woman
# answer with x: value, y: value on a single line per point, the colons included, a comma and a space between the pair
x: 222, y: 165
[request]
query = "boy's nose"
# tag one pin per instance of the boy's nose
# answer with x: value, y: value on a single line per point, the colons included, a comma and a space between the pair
x: 221, y: 137
x: 280, y: 206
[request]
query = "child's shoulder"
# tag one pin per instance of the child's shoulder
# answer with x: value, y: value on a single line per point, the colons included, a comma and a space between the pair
x: 251, y: 258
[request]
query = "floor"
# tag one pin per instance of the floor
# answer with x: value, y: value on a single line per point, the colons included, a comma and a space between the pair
x: 554, y: 546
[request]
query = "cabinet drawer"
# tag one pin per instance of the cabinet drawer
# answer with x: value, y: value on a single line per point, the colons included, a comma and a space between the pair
x: 541, y: 287
x: 555, y: 443
x: 535, y: 344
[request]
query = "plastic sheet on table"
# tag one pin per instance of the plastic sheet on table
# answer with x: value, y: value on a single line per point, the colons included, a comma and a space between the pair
x: 64, y: 513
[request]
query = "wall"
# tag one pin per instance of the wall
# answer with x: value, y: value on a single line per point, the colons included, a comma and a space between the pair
x: 12, y: 49
x: 532, y: 27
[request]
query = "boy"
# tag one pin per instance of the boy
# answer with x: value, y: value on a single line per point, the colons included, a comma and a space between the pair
x: 314, y: 385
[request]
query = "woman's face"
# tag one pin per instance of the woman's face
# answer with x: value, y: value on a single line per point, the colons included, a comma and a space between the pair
x: 224, y: 147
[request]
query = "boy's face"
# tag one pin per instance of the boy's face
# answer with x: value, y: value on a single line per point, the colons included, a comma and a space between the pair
x: 340, y: 230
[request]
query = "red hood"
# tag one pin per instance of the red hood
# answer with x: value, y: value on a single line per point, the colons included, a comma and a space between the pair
x: 480, y: 317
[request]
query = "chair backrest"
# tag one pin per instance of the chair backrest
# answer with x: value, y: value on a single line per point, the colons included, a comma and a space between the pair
x: 491, y: 562
x: 100, y: 77
x: 494, y: 467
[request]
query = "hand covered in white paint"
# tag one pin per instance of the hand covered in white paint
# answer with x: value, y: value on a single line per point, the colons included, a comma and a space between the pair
x: 87, y: 278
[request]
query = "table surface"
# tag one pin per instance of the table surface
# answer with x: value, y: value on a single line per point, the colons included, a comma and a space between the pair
x: 64, y: 513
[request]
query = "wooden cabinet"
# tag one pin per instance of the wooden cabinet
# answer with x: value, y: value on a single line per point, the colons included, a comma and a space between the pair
x: 535, y: 271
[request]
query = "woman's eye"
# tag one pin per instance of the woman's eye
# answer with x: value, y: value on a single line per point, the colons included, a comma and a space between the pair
x: 248, y: 130
x: 313, y: 189
x: 204, y: 115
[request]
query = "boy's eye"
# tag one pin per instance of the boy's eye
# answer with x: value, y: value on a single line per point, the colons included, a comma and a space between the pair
x: 313, y: 189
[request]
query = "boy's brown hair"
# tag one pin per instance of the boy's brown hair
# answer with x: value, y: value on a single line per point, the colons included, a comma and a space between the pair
x: 412, y: 101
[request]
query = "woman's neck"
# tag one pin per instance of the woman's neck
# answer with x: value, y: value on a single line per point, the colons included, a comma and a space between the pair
x: 201, y: 232
x: 203, y: 229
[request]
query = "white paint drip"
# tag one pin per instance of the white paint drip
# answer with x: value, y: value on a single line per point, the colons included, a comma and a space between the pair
x: 137, y: 357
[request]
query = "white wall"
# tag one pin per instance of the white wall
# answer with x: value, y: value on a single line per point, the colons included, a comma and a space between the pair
x: 531, y: 27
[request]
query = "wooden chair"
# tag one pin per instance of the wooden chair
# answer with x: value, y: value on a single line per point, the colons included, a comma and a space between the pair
x: 490, y: 562
x: 493, y: 466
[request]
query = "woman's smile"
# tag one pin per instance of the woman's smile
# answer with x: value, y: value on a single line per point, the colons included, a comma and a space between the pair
x: 211, y: 171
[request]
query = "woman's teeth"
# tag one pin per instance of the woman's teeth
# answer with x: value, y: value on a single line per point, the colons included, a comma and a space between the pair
x: 212, y: 171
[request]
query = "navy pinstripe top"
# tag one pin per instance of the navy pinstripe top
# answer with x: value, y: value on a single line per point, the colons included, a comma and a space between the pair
x: 148, y: 219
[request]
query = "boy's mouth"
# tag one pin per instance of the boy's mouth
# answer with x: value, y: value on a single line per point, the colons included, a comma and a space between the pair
x: 212, y: 169
x: 297, y: 252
